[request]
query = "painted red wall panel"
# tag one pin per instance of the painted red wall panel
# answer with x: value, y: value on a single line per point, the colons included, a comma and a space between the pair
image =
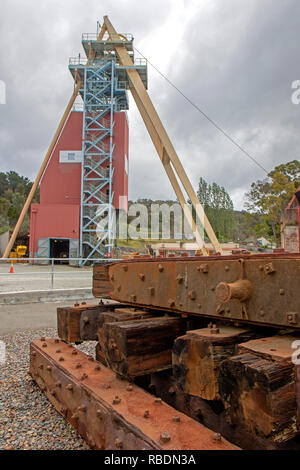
x: 61, y: 182
x: 53, y: 220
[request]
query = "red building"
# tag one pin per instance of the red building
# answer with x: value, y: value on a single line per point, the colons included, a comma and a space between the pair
x: 55, y: 222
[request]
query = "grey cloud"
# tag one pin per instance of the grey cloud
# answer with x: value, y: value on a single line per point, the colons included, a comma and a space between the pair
x: 236, y: 60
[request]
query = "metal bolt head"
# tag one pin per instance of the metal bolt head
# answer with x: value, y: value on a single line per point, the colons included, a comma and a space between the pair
x: 118, y: 443
x: 176, y: 418
x: 142, y: 276
x: 129, y: 388
x: 192, y: 294
x: 44, y: 345
x: 84, y: 376
x: 99, y: 413
x: 33, y: 353
x: 165, y: 437
x: 61, y: 359
x: 90, y: 358
x: 43, y: 338
x: 160, y: 268
x: 82, y: 408
x: 216, y: 437
x: 69, y: 387
x: 58, y: 384
x: 56, y: 340
x: 125, y: 267
x: 116, y: 400
x: 78, y: 365
x: 83, y: 303
x: 146, y: 414
x: 97, y: 367
x: 106, y: 386
x: 74, y: 352
x: 49, y: 368
x: 158, y: 401
x: 281, y: 291
x: 58, y: 351
x: 85, y: 320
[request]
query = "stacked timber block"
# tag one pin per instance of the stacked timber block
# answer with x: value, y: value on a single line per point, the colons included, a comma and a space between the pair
x: 68, y: 321
x: 139, y: 347
x: 258, y: 388
x: 131, y: 341
x: 80, y: 322
x: 197, y: 357
x: 113, y: 316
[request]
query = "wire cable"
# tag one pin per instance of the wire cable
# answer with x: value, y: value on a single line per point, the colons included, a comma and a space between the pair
x: 205, y: 115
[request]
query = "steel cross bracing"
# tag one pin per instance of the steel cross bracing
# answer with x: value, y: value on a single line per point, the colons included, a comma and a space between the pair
x: 101, y: 98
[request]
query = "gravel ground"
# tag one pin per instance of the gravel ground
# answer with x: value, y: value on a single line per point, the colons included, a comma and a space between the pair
x: 27, y: 419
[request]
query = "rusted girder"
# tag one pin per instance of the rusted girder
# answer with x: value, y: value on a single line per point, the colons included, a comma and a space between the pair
x: 110, y: 413
x: 259, y: 289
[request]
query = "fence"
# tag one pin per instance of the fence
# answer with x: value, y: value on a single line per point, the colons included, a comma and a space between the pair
x: 37, y: 264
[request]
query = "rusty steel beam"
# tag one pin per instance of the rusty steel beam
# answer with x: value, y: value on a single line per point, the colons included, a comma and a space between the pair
x: 258, y: 289
x: 110, y: 413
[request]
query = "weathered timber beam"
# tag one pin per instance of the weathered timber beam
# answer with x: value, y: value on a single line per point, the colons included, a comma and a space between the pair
x: 197, y: 357
x: 117, y: 315
x: 140, y: 347
x: 258, y: 388
x: 158, y: 134
x: 109, y: 413
x: 81, y: 321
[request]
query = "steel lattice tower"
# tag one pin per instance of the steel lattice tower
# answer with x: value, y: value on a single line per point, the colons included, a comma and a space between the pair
x: 103, y: 88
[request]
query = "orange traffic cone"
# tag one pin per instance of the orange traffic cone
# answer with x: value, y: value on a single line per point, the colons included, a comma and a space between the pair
x: 11, y: 268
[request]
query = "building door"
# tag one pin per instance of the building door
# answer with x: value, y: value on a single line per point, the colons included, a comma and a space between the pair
x: 42, y: 250
x: 59, y: 249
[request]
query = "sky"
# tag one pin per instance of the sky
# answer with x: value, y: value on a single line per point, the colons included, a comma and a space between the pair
x: 236, y: 60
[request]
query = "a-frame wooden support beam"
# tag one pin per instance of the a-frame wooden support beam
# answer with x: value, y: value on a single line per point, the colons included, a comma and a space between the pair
x: 163, y: 145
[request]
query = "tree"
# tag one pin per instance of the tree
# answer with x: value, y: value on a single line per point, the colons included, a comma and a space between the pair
x: 14, y: 190
x: 218, y: 207
x: 270, y: 197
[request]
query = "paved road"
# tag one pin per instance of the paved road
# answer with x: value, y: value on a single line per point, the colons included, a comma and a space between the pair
x: 28, y: 316
x: 33, y: 277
